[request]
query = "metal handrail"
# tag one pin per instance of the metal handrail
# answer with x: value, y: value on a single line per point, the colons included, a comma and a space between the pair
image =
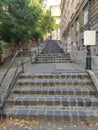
x: 11, y: 63
x: 19, y: 52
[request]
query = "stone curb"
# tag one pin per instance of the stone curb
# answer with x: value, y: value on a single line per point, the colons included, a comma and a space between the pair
x: 94, y: 79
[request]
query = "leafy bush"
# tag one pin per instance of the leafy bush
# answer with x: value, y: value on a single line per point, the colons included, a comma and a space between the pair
x: 1, y: 46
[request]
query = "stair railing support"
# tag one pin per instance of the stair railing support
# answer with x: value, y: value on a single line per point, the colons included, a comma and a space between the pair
x: 31, y: 57
x: 22, y: 64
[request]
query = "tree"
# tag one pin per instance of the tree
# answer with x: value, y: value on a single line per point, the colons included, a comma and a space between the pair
x: 19, y: 20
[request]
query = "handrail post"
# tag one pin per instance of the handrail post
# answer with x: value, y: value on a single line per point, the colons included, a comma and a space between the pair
x: 31, y: 57
x: 35, y: 55
x: 21, y: 53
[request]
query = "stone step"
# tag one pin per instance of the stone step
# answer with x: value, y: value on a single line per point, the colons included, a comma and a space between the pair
x: 56, y: 55
x: 54, y: 90
x: 56, y: 76
x: 53, y: 58
x: 53, y: 55
x: 56, y: 58
x: 53, y: 113
x: 28, y: 100
x: 54, y: 82
x: 66, y: 61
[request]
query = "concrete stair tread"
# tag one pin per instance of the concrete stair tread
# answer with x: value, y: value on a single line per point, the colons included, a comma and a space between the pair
x: 54, y: 90
x: 54, y: 56
x: 17, y: 96
x: 54, y: 81
x: 55, y: 107
x: 55, y: 53
x: 53, y: 76
x: 60, y: 114
x: 46, y: 88
x: 51, y: 100
x: 54, y: 62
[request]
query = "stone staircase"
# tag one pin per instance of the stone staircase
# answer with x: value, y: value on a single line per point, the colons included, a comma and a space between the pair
x: 52, y: 46
x: 53, y: 53
x: 53, y: 58
x: 53, y: 96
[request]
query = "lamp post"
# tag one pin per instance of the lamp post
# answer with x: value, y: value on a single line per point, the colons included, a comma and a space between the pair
x: 89, y: 38
x: 88, y: 58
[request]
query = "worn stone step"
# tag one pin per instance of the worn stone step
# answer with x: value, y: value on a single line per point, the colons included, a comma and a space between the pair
x: 47, y: 59
x: 45, y: 113
x: 56, y: 76
x: 55, y: 54
x: 66, y: 61
x: 54, y: 90
x: 55, y: 58
x: 51, y: 58
x: 83, y: 101
x: 54, y: 82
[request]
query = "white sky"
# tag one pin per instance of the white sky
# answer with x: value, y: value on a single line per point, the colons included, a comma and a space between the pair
x: 52, y: 2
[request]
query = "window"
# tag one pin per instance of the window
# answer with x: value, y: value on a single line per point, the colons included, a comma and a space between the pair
x: 85, y: 15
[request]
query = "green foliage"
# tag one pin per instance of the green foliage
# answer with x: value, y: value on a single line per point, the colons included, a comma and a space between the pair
x: 21, y: 20
x: 28, y: 118
x: 47, y: 22
x: 1, y: 46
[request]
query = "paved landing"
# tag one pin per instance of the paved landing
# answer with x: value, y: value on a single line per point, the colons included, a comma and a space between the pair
x: 52, y: 68
x: 66, y: 67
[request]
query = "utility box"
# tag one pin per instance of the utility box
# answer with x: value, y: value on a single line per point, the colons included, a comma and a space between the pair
x: 89, y: 38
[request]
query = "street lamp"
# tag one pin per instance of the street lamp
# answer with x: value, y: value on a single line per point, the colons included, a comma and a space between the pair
x: 88, y: 58
x: 89, y: 40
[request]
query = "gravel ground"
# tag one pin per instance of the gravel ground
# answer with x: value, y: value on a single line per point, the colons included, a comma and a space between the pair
x: 27, y: 124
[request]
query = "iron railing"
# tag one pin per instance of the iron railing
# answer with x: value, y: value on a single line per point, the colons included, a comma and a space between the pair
x: 17, y: 69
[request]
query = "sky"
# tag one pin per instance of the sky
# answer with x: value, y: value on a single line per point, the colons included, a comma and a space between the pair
x: 52, y: 2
